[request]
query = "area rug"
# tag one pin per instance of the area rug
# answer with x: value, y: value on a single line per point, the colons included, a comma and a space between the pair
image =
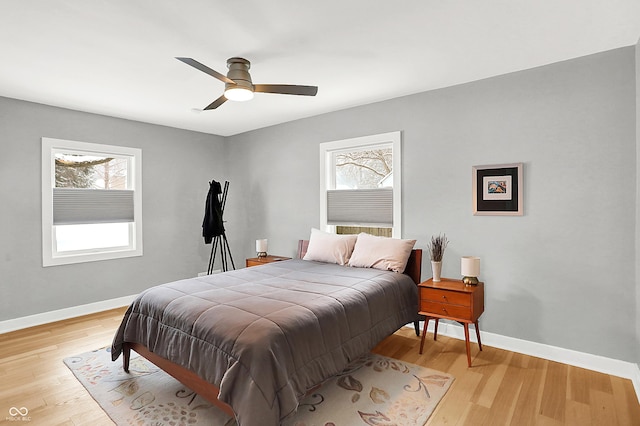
x: 374, y: 390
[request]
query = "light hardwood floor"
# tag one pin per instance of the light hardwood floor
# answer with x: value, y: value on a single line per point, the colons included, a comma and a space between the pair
x: 508, y: 388
x: 502, y: 388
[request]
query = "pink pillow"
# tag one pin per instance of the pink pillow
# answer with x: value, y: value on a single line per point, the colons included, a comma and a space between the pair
x: 387, y: 254
x: 330, y: 248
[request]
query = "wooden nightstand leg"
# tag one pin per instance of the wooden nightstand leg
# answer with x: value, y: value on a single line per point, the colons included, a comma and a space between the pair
x: 424, y: 333
x: 435, y: 329
x: 466, y: 339
x: 478, y: 334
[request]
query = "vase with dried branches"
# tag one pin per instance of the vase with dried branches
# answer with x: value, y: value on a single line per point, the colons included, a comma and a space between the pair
x: 436, y: 247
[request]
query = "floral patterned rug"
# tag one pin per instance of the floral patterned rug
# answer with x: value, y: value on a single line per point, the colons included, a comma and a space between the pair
x: 374, y: 390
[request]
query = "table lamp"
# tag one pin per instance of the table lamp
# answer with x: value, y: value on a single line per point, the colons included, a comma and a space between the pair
x: 470, y: 269
x: 261, y: 248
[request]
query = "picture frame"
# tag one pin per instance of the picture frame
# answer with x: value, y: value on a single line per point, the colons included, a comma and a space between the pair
x: 498, y: 190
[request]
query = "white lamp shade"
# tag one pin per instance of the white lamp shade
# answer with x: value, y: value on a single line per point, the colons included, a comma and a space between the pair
x: 261, y: 246
x: 470, y: 266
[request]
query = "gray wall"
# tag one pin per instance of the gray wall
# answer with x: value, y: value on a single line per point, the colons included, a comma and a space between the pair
x: 176, y: 167
x: 637, y: 280
x: 563, y: 274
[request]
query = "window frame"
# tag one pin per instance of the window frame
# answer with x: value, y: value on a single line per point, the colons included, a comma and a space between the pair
x: 50, y: 255
x: 327, y: 177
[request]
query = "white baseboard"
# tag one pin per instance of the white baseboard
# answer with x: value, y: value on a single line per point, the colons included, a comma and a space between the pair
x: 62, y: 314
x: 636, y: 381
x: 613, y: 367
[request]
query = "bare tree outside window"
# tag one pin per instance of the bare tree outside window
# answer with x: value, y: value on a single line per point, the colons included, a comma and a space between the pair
x: 83, y: 171
x: 363, y: 169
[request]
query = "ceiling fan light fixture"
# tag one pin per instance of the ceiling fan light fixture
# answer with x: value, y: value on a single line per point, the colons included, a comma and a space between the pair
x: 239, y: 94
x: 238, y: 85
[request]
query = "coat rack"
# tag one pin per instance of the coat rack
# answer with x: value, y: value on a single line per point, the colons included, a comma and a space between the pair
x: 213, y: 226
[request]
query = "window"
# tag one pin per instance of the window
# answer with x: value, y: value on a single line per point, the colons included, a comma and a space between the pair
x: 91, y: 202
x: 360, y: 185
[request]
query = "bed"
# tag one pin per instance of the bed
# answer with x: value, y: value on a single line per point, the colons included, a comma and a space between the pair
x: 255, y: 341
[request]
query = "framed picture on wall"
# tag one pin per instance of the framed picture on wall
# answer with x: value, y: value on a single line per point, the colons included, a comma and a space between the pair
x: 497, y: 190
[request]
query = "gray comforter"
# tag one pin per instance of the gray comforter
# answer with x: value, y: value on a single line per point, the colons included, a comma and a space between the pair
x: 266, y: 335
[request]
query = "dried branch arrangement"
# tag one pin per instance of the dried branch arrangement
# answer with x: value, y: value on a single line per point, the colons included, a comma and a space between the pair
x: 437, y: 246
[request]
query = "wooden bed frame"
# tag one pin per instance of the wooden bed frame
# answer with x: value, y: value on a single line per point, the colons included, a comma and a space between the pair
x: 208, y: 390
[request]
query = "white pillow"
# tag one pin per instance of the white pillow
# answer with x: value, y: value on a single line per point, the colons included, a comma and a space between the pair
x: 387, y: 254
x: 330, y: 248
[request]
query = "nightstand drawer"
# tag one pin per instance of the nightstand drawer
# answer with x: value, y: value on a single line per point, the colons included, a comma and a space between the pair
x: 444, y: 296
x: 446, y: 310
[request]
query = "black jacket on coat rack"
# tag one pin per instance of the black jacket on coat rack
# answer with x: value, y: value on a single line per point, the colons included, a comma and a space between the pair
x: 213, y: 225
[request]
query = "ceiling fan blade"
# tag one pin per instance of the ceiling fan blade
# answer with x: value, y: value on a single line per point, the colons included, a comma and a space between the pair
x: 205, y: 69
x: 286, y: 89
x: 215, y: 104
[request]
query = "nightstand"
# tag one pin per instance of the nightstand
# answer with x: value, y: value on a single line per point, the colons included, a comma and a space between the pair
x: 257, y: 261
x: 452, y: 300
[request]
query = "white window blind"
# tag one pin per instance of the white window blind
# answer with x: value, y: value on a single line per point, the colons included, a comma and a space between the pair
x: 372, y: 207
x: 74, y: 206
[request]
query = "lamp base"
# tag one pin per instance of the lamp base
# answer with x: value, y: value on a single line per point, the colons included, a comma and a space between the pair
x: 262, y: 254
x: 470, y: 280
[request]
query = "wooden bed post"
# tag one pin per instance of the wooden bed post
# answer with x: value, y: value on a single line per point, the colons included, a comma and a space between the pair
x: 126, y: 356
x: 414, y: 270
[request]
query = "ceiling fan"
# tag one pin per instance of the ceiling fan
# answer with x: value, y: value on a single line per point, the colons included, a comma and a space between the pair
x: 238, y: 85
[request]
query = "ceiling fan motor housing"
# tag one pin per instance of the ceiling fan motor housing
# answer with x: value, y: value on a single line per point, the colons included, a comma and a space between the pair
x: 239, y: 73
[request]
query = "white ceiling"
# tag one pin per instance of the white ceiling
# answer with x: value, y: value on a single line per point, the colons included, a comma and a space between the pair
x: 117, y: 57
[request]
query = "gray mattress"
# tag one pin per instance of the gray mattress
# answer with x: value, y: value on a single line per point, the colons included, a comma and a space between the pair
x: 266, y: 335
